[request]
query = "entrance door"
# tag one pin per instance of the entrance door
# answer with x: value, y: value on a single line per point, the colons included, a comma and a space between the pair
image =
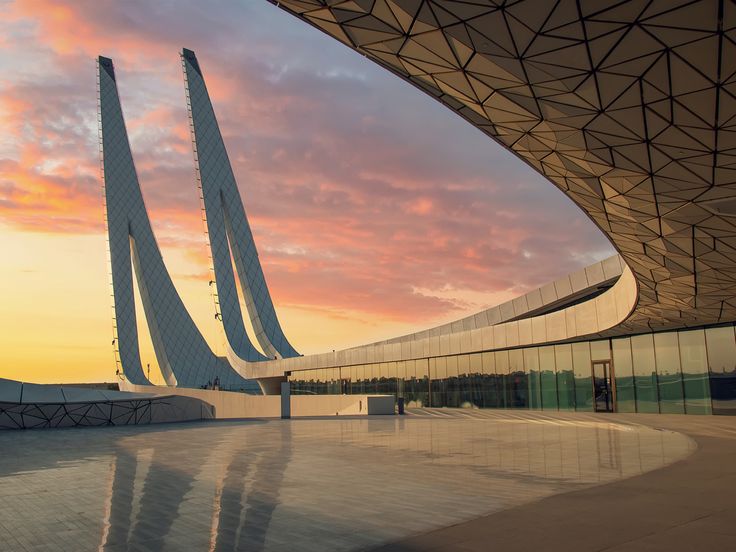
x: 603, y: 391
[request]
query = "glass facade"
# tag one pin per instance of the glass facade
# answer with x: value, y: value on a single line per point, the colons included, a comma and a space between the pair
x: 548, y: 378
x: 645, y: 373
x: 684, y: 372
x: 695, y: 381
x: 623, y: 374
x: 583, y: 376
x: 565, y: 379
x: 669, y: 373
x: 721, y: 351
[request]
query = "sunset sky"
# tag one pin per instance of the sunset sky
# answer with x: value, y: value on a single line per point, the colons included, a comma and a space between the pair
x: 376, y: 211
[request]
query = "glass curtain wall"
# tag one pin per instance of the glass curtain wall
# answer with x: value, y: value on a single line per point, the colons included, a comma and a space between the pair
x: 645, y: 373
x: 531, y: 368
x: 686, y: 371
x: 475, y: 381
x: 669, y: 373
x: 548, y: 378
x: 565, y: 378
x: 624, y: 375
x: 721, y: 351
x: 516, y: 383
x: 491, y: 386
x: 581, y: 365
x: 694, y: 362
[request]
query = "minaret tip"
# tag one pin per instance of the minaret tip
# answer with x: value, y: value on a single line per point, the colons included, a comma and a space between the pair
x: 105, y: 64
x: 191, y: 57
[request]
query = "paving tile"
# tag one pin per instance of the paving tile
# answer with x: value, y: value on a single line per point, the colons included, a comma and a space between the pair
x: 320, y: 484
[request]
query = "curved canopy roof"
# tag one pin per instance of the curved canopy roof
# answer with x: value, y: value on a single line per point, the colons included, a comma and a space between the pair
x: 628, y: 107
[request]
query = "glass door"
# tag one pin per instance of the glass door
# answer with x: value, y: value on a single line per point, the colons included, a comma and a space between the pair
x: 603, y: 391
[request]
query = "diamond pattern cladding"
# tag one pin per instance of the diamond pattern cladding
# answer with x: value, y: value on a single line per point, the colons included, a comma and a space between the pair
x: 183, y: 354
x: 228, y: 229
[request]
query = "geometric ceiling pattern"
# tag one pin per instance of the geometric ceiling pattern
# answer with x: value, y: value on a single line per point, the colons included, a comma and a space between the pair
x: 628, y: 107
x: 99, y: 413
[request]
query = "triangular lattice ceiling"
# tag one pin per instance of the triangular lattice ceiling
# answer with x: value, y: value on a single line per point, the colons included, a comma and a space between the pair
x: 628, y: 107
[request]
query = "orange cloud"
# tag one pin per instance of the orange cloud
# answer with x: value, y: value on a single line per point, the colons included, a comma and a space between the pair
x: 420, y: 206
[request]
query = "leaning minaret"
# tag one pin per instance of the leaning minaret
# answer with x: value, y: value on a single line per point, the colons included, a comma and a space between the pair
x: 229, y: 231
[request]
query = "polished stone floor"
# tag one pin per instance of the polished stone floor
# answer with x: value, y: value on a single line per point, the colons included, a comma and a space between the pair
x: 304, y: 484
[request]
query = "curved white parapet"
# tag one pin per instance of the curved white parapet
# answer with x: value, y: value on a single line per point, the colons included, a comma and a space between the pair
x: 575, y: 287
x: 226, y: 405
x: 583, y: 320
x: 240, y: 365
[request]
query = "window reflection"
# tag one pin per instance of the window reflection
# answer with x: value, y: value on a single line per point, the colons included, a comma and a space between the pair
x: 583, y: 376
x: 645, y: 373
x: 451, y: 383
x: 565, y: 378
x: 623, y: 370
x: 475, y: 381
x: 548, y: 378
x: 669, y: 377
x: 491, y: 383
x: 686, y: 371
x: 516, y: 385
x: 722, y: 368
x: 531, y: 369
x: 694, y: 362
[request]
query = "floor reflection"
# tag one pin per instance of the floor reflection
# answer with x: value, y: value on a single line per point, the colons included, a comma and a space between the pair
x: 246, y: 491
x: 337, y: 484
x: 244, y: 514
